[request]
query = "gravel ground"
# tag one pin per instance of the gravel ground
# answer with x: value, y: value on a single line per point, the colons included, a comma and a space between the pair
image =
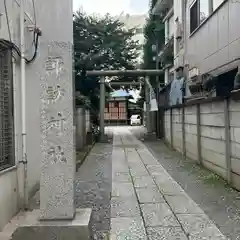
x: 93, y: 188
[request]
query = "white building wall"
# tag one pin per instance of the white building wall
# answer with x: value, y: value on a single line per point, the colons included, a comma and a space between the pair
x: 135, y: 21
x: 217, y: 40
x: 11, y: 180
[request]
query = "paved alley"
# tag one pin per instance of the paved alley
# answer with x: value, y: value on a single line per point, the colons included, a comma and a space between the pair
x: 147, y: 203
x: 145, y: 191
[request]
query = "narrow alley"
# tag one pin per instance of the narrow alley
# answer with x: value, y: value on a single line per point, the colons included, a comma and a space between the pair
x: 153, y: 193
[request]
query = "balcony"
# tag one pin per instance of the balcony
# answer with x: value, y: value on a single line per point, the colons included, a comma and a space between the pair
x: 162, y: 7
x: 166, y: 55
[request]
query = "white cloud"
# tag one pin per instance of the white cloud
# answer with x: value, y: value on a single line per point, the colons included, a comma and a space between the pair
x: 114, y: 7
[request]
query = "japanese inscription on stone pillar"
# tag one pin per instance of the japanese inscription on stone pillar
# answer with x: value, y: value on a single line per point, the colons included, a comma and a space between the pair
x: 58, y: 161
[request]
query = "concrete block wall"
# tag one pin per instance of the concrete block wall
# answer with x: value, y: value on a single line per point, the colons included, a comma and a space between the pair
x: 207, y: 136
x: 80, y: 128
x: 167, y: 126
x: 177, y: 128
x: 190, y: 127
x: 234, y: 116
x: 212, y: 130
x: 88, y: 121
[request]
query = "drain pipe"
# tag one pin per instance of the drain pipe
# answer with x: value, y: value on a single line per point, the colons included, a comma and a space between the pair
x: 23, y: 103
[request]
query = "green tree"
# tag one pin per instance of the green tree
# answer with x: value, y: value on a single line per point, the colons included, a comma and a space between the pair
x: 154, y: 33
x: 100, y: 43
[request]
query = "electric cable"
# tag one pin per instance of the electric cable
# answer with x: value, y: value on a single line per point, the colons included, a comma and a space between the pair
x: 36, y: 34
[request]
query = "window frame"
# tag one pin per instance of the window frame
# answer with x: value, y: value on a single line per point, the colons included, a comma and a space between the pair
x: 196, y: 4
x: 211, y: 13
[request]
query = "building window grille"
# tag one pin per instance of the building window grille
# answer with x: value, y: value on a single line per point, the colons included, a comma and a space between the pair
x: 6, y: 110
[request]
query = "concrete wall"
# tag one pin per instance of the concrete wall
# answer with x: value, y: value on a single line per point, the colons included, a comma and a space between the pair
x: 234, y: 114
x: 212, y: 131
x: 190, y: 127
x: 217, y: 40
x: 88, y: 120
x: 11, y: 180
x: 206, y: 139
x: 80, y: 128
x: 177, y: 128
x: 167, y: 126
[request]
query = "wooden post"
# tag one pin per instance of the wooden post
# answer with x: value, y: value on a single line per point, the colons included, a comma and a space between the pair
x: 199, y: 134
x: 227, y: 141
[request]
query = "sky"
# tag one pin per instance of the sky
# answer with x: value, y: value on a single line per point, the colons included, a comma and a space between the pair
x: 114, y: 7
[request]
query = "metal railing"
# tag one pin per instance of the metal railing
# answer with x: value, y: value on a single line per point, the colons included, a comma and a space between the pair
x: 6, y: 110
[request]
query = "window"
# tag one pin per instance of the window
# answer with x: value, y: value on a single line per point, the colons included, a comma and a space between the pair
x: 116, y: 104
x: 204, y: 10
x: 6, y: 109
x: 217, y: 3
x: 169, y: 29
x: 201, y: 10
x: 194, y: 17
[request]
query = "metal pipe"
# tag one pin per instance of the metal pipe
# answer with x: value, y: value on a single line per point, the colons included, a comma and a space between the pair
x: 23, y: 102
x: 102, y: 107
x: 140, y: 72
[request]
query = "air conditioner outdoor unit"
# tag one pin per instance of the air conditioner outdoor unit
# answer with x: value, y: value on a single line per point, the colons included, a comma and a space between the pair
x: 194, y: 72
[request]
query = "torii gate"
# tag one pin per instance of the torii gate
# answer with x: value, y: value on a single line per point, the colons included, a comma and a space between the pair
x: 111, y: 73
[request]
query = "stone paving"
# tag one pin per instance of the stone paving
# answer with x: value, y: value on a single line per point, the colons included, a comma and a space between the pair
x: 134, y: 194
x: 146, y: 202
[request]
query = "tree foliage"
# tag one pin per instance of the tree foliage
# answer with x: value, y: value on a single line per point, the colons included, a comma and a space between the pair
x: 100, y: 43
x: 154, y: 34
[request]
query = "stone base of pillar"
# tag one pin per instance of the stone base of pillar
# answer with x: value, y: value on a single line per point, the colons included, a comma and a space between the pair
x: 33, y: 229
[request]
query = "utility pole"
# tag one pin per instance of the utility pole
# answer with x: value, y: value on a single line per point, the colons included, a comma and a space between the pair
x: 102, y: 107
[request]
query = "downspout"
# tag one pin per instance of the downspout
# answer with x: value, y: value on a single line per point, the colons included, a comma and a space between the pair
x: 23, y: 103
x: 184, y: 24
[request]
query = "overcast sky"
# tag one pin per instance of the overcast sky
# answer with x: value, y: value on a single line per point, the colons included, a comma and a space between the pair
x: 114, y: 7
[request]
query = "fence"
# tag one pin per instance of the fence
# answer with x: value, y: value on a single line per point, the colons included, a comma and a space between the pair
x: 208, y: 132
x: 83, y: 127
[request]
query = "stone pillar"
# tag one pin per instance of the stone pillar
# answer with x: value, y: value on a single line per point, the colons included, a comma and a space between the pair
x: 57, y: 134
x: 57, y: 124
